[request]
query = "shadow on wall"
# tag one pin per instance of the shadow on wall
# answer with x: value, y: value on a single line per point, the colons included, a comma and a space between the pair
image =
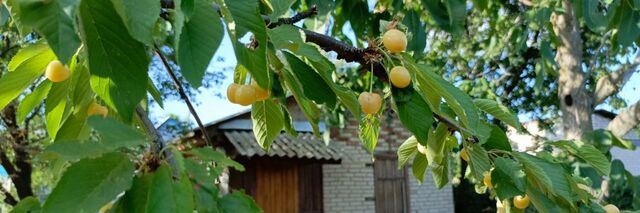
x: 467, y: 200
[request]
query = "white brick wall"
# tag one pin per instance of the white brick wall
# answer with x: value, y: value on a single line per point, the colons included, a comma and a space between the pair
x: 347, y: 185
x: 427, y: 198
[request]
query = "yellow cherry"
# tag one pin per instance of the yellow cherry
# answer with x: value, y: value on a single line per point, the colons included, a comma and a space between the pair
x: 464, y: 155
x: 487, y: 180
x: 422, y: 149
x: 611, y: 209
x: 261, y: 94
x: 395, y: 41
x: 231, y: 92
x: 521, y: 202
x: 400, y: 77
x: 97, y: 109
x: 370, y: 103
x: 57, y: 72
x: 245, y: 95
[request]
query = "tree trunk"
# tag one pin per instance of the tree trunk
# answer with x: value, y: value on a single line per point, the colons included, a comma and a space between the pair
x: 576, y: 104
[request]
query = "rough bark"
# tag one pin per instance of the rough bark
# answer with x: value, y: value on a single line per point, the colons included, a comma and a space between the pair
x: 20, y: 173
x: 575, y: 102
x: 626, y: 120
x: 609, y: 85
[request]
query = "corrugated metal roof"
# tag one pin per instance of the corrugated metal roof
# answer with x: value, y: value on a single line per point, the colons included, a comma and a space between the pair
x: 306, y: 145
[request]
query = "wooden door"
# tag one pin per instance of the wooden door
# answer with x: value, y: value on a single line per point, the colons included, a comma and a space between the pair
x: 391, y: 191
x: 277, y: 188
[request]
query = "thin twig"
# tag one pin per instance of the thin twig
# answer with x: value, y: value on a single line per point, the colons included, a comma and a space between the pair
x: 313, y: 10
x: 453, y: 126
x: 183, y: 95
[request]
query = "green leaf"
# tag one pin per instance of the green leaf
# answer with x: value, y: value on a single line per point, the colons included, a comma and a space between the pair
x: 31, y: 101
x: 201, y: 36
x: 55, y: 107
x: 28, y: 204
x: 595, y: 20
x: 153, y: 91
x: 238, y: 202
x: 268, y: 121
x: 74, y: 127
x: 508, y: 178
x: 90, y: 183
x: 628, y: 30
x: 604, y: 139
x: 72, y: 150
x: 290, y: 37
x: 29, y: 64
x: 414, y: 113
x: 313, y: 86
x: 118, y: 63
x: 326, y: 68
x: 156, y: 192
x: 248, y: 19
x: 209, y: 154
x: 460, y: 102
x: 440, y: 173
x: 139, y: 17
x: 479, y: 161
x: 419, y: 166
x: 540, y: 200
x: 407, y: 150
x: 498, y: 111
x: 450, y: 15
x: 417, y: 29
x: 547, y: 176
x: 50, y: 20
x: 14, y: 9
x: 497, y: 140
x: 309, y: 109
x: 587, y: 153
x: 286, y: 37
x: 280, y: 7
x: 369, y: 130
x: 115, y: 133
x: 436, y: 144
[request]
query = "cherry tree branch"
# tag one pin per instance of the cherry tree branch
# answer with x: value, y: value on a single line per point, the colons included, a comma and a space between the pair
x: 626, y: 120
x: 8, y: 197
x: 183, y: 95
x: 296, y: 18
x: 610, y: 84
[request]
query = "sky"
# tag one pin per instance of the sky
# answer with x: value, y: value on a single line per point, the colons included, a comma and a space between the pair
x: 212, y: 107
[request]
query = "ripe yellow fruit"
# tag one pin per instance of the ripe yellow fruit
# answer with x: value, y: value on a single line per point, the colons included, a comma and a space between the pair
x: 395, y: 41
x: 611, y: 209
x: 422, y: 149
x: 464, y: 155
x: 370, y: 103
x: 521, y: 202
x: 231, y: 92
x: 57, y: 72
x: 261, y: 94
x: 400, y: 77
x: 97, y: 109
x: 499, y: 207
x: 487, y: 180
x: 105, y: 208
x: 245, y: 95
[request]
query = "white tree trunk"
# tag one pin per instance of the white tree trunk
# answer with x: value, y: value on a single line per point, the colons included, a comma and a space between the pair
x: 576, y: 105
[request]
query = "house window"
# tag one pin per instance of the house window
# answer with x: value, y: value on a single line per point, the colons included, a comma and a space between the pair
x: 391, y: 191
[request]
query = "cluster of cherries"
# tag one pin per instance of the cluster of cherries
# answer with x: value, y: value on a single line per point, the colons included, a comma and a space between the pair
x: 394, y: 40
x: 57, y: 72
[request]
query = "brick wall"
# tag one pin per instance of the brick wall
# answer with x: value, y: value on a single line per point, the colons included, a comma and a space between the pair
x: 349, y: 186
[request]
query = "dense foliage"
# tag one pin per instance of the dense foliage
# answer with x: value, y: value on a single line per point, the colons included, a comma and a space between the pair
x: 444, y: 67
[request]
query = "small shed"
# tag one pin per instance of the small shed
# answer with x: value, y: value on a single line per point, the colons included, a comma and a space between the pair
x: 305, y: 174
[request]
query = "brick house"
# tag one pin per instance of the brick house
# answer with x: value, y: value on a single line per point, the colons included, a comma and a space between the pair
x: 302, y: 174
